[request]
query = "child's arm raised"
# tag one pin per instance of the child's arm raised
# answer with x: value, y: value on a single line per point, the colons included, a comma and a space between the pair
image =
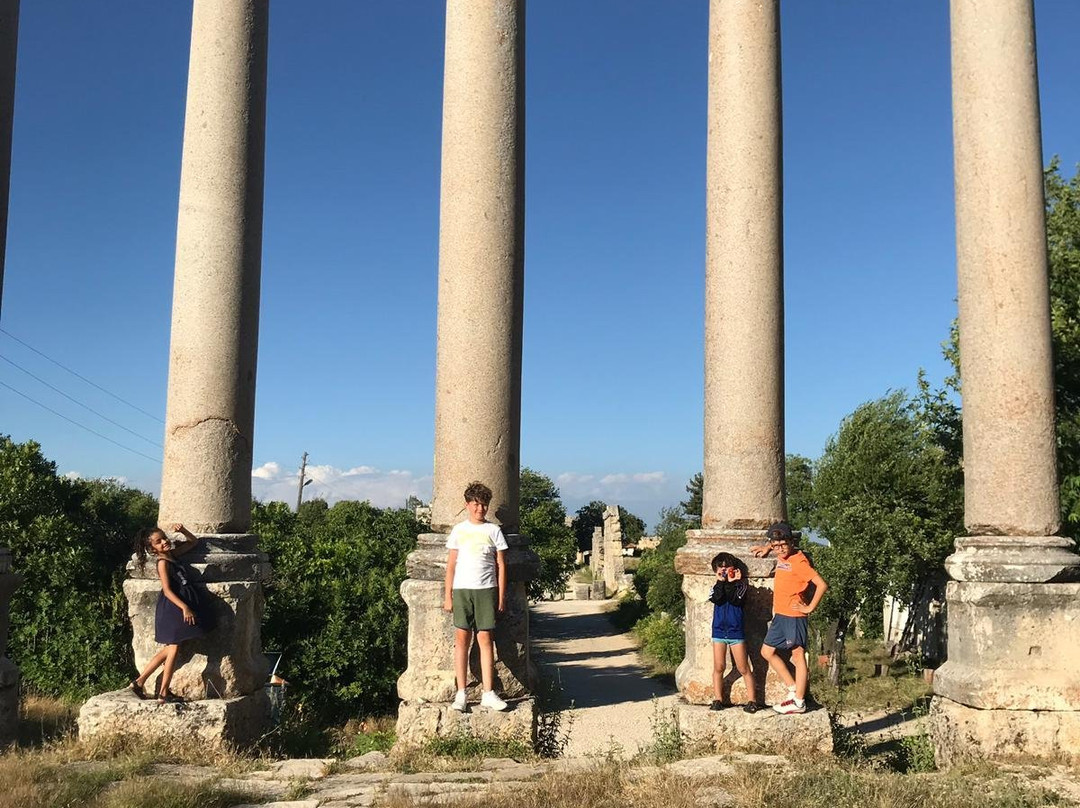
x: 760, y: 551
x: 190, y: 539
x: 448, y: 582
x: 166, y: 587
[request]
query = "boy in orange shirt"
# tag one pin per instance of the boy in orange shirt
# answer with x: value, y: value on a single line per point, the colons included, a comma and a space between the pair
x: 790, y: 609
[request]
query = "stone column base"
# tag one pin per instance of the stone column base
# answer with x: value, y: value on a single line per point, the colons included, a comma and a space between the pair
x: 418, y: 723
x: 764, y: 731
x: 9, y: 701
x: 962, y: 733
x: 217, y: 723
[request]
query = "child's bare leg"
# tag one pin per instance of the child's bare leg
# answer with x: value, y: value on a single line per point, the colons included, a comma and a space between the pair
x: 167, y: 671
x: 798, y: 659
x: 487, y: 659
x: 156, y: 661
x: 462, y: 639
x: 778, y: 665
x: 738, y: 653
x: 719, y: 663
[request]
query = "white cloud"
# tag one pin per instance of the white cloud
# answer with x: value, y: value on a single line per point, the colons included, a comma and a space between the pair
x: 267, y: 471
x: 72, y: 475
x: 643, y: 493
x: 384, y: 489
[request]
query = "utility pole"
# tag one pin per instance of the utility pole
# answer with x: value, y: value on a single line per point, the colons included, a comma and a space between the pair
x: 300, y: 490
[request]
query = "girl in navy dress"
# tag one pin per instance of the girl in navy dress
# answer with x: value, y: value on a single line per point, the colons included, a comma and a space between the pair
x: 181, y: 615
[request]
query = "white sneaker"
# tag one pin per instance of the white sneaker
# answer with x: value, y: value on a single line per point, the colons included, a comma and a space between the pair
x: 790, y: 706
x: 459, y: 702
x: 491, y: 701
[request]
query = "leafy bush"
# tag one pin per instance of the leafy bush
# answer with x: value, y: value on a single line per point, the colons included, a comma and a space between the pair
x: 662, y: 638
x: 334, y: 608
x: 70, y: 540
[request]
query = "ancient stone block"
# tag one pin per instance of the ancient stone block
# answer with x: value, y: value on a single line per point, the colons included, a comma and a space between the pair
x: 961, y: 733
x: 216, y: 722
x: 1012, y: 646
x: 417, y: 723
x: 430, y: 675
x: 764, y: 731
x: 226, y: 663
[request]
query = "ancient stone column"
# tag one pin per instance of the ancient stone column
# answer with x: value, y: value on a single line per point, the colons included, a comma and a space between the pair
x: 9, y: 674
x: 9, y: 35
x: 613, y: 558
x: 744, y: 331
x: 206, y: 477
x: 478, y: 362
x: 1011, y: 683
x: 481, y: 260
x: 596, y: 559
x: 9, y: 38
x: 743, y: 490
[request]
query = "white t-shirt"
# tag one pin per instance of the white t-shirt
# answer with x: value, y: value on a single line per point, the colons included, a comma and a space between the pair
x: 476, y: 546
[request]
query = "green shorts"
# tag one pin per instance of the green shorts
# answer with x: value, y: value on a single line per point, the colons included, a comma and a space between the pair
x: 474, y: 609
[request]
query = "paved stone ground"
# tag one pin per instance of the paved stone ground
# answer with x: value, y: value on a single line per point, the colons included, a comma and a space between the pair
x: 600, y: 675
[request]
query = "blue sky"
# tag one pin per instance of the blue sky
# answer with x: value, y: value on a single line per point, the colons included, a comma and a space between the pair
x: 612, y: 383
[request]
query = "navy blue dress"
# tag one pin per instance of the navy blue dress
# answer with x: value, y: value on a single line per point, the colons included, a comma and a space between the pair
x: 169, y: 625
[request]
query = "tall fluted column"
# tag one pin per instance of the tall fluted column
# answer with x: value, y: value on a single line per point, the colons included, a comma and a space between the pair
x: 206, y: 479
x: 744, y: 329
x: 1014, y: 628
x: 9, y: 40
x: 478, y: 373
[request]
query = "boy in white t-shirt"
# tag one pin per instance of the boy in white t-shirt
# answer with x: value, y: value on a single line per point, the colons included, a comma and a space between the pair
x: 475, y: 592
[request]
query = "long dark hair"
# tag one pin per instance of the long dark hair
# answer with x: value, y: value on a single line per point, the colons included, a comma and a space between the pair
x: 142, y: 542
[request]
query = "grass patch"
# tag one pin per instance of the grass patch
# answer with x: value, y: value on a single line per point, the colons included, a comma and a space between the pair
x: 45, y: 720
x: 360, y: 736
x: 466, y: 747
x: 43, y: 780
x: 860, y: 690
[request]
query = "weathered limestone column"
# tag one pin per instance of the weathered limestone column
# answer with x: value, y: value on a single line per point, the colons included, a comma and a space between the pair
x: 478, y: 373
x: 596, y: 559
x: 9, y: 39
x: 206, y: 477
x: 744, y: 330
x: 1011, y: 683
x: 613, y: 558
x: 9, y: 674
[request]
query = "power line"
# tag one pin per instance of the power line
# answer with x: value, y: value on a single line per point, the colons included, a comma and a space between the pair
x: 80, y: 376
x: 76, y: 423
x: 84, y: 406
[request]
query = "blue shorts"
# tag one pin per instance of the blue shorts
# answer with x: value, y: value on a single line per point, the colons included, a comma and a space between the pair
x: 786, y: 632
x: 727, y: 641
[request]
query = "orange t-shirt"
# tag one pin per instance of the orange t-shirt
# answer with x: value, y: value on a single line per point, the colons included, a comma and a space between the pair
x: 789, y: 583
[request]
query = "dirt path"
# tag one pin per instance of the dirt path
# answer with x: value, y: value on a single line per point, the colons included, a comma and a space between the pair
x: 601, y: 675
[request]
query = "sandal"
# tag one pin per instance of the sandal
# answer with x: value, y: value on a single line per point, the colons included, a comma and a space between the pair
x: 169, y: 698
x: 137, y: 689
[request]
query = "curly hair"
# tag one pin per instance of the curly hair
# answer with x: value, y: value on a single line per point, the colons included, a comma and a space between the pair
x: 478, y: 492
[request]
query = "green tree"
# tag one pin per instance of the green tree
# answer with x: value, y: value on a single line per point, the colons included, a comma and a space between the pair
x: 591, y: 516
x: 799, y: 484
x: 543, y: 521
x: 588, y: 518
x: 70, y: 540
x: 889, y: 502
x: 693, y: 505
x: 334, y: 609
